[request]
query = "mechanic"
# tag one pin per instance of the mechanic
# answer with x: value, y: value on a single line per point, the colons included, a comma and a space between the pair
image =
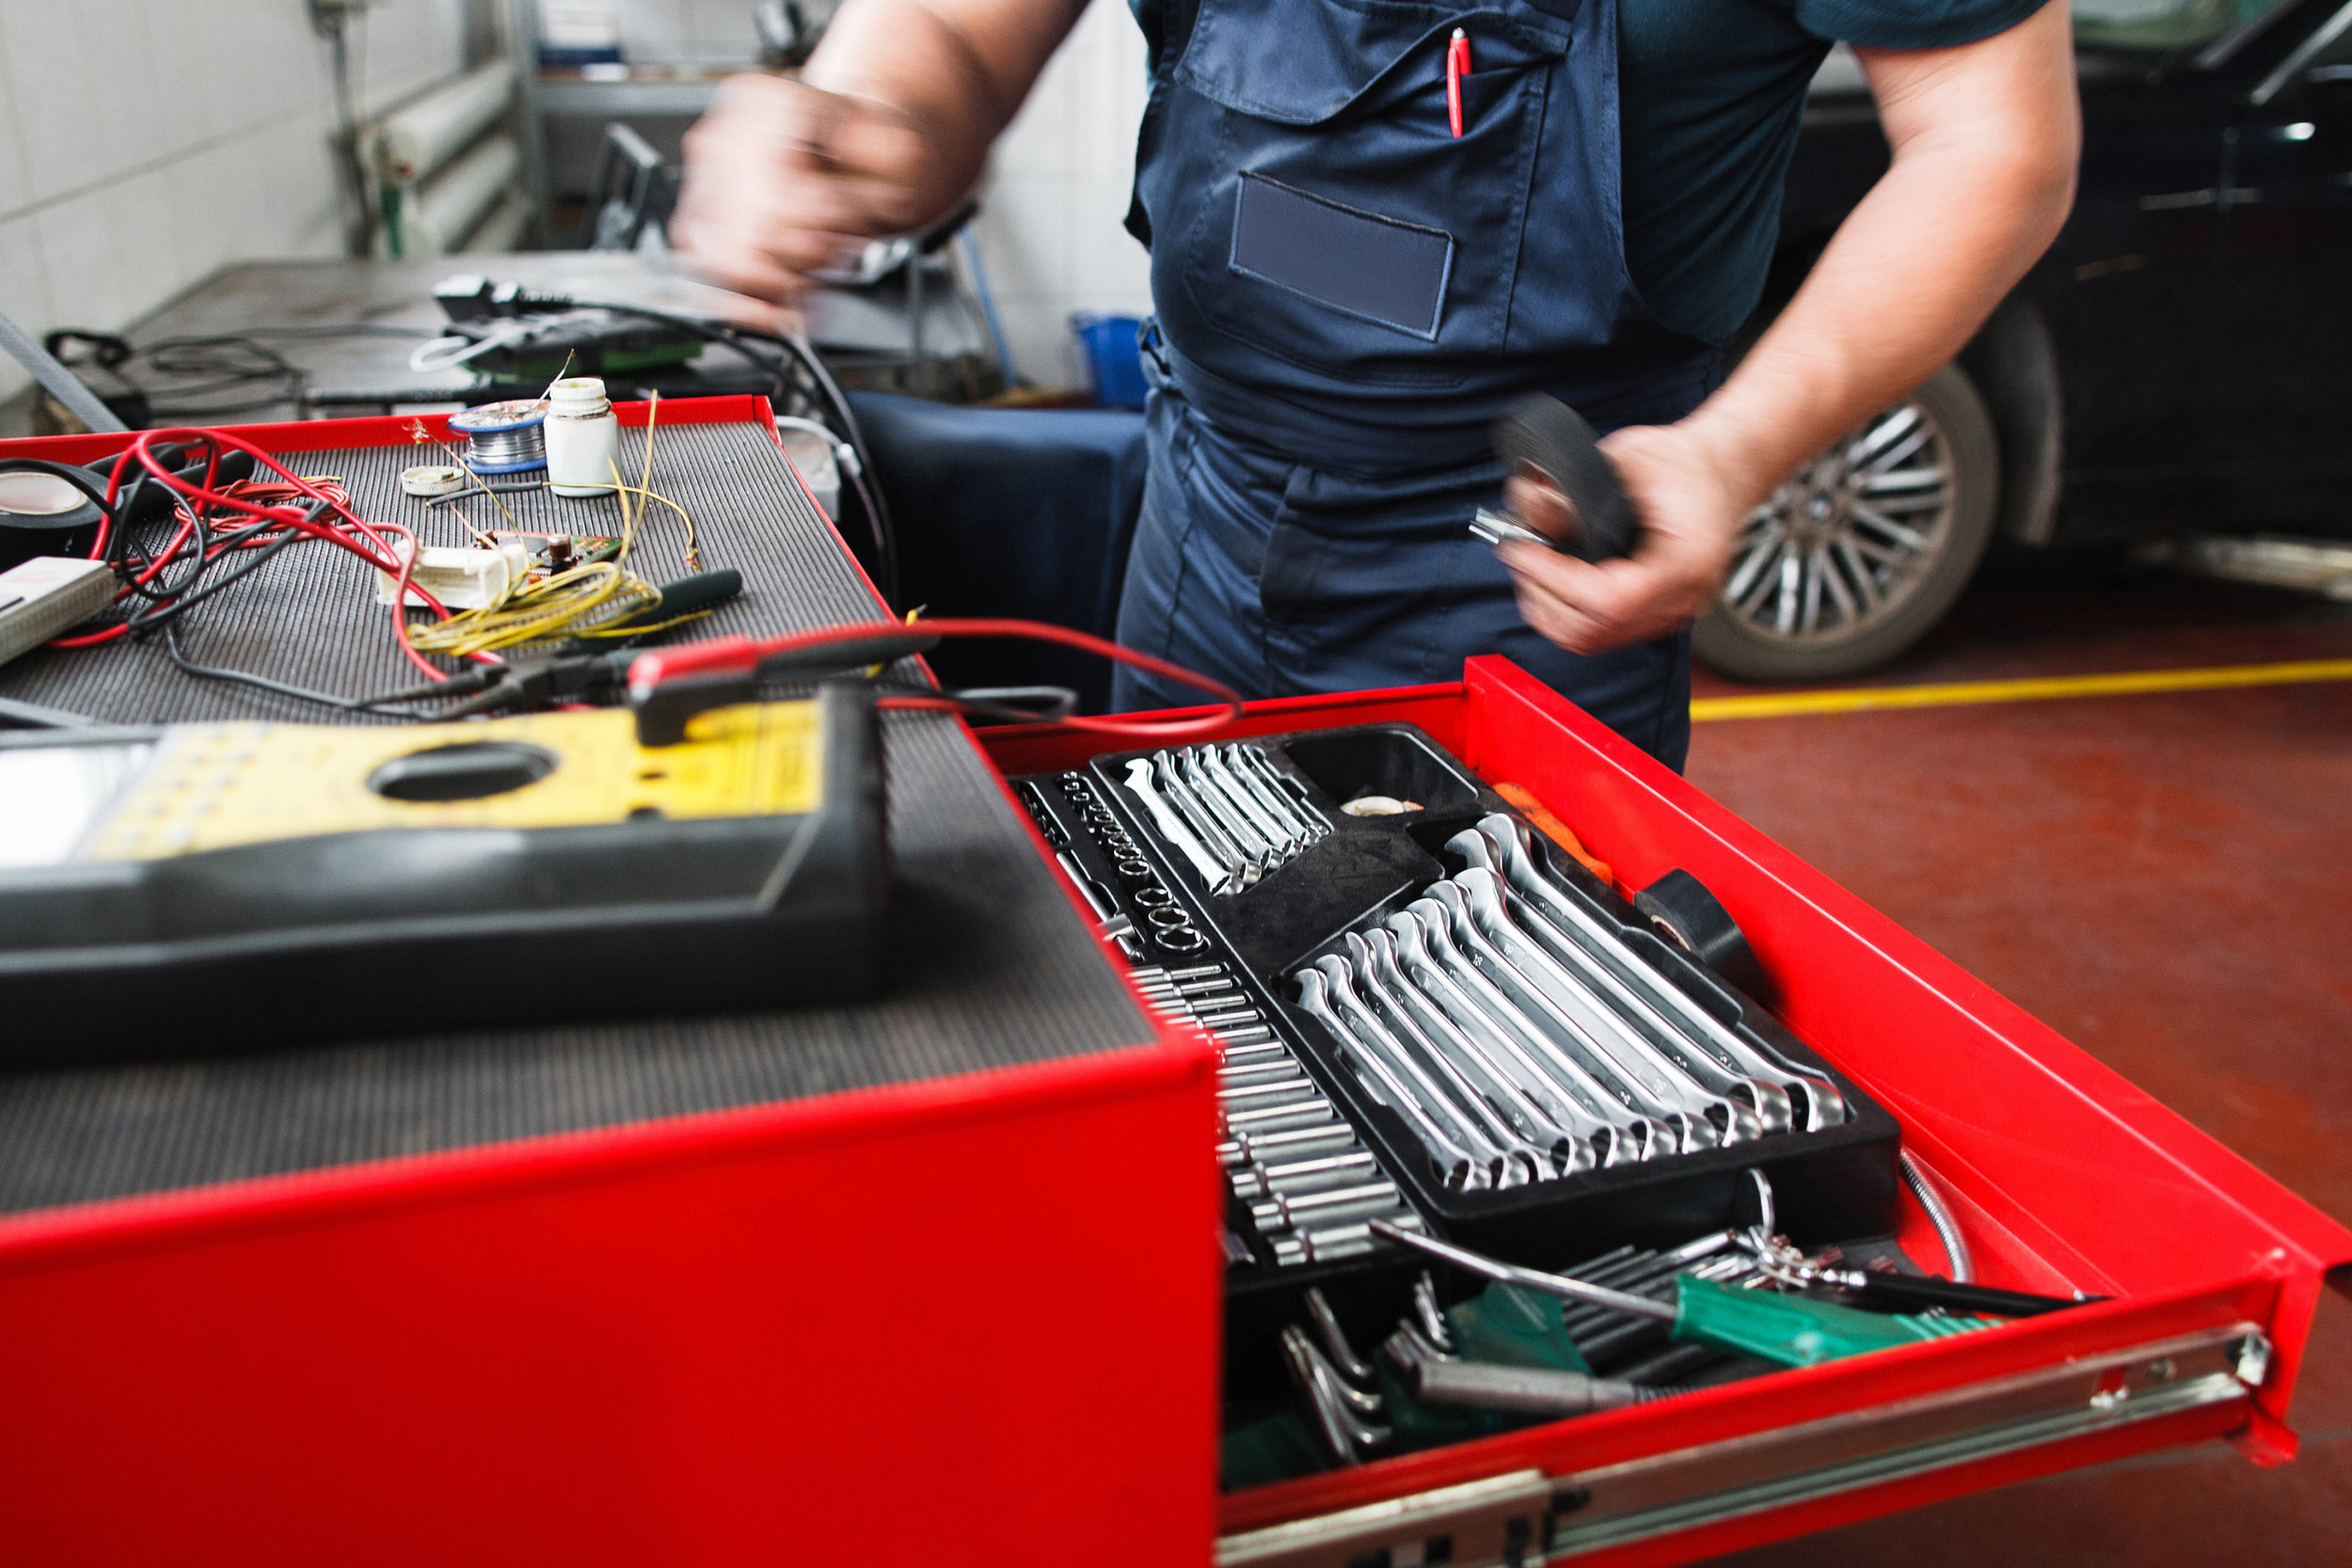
x: 1349, y: 288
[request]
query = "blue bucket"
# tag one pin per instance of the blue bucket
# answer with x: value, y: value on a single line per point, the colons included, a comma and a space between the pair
x: 1112, y: 358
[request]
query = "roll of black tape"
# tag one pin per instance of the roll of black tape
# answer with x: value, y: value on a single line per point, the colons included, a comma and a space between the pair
x: 1542, y: 435
x: 1681, y: 910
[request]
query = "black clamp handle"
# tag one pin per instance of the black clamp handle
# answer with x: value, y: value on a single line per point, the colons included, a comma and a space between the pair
x: 1540, y: 436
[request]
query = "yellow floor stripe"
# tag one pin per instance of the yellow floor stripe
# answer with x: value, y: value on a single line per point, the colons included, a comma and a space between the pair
x: 1967, y: 693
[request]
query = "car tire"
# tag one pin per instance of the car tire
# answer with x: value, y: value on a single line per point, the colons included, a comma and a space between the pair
x: 1865, y: 549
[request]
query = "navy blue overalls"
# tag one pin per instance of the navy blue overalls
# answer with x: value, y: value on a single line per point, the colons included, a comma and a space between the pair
x: 1348, y: 295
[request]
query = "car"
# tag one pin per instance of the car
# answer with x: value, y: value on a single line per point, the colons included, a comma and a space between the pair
x: 2179, y: 363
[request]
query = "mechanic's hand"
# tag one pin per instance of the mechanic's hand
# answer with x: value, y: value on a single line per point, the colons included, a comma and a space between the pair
x: 1692, y: 502
x: 783, y: 180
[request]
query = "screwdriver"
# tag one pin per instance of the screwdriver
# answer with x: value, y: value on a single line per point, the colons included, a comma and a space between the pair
x: 1793, y: 1331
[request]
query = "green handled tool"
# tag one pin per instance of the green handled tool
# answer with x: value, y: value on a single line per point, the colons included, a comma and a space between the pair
x: 1793, y: 1331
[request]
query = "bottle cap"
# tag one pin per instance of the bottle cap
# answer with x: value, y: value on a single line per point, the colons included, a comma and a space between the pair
x: 577, y: 392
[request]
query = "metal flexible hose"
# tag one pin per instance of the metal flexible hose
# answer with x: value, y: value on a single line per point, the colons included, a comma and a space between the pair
x: 1940, y: 1215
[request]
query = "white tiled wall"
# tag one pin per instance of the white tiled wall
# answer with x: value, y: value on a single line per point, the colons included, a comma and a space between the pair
x: 1053, y: 209
x: 685, y: 32
x: 146, y: 143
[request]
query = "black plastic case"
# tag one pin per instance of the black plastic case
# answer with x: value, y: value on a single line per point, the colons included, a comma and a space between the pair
x: 366, y: 934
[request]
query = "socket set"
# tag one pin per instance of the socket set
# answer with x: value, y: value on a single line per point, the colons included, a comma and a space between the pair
x: 1533, y: 1063
x: 1302, y: 1186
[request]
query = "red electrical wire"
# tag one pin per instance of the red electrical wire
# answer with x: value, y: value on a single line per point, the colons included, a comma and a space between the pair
x: 744, y: 655
x: 350, y: 533
x: 737, y: 655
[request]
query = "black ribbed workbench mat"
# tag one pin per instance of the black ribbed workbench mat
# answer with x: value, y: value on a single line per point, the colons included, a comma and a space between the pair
x: 992, y: 968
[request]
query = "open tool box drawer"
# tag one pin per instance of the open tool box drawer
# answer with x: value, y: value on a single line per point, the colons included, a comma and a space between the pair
x: 2063, y: 1176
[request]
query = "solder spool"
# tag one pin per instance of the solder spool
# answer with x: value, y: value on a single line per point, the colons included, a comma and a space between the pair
x: 507, y: 438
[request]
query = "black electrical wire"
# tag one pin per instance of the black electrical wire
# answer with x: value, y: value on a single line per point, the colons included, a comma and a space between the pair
x: 245, y: 677
x: 220, y: 363
x: 182, y: 601
x: 168, y: 599
x: 845, y: 421
x: 877, y: 510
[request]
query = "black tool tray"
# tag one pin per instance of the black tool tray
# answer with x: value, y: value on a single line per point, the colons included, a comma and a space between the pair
x: 1834, y: 1184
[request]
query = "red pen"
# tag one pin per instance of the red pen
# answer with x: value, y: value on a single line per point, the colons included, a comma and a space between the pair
x: 1457, y: 65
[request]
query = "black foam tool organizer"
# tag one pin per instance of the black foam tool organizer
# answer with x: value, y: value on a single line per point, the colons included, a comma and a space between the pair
x: 1835, y: 1183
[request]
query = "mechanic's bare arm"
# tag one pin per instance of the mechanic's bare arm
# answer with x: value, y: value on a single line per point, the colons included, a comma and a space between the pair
x: 1985, y: 141
x: 888, y: 127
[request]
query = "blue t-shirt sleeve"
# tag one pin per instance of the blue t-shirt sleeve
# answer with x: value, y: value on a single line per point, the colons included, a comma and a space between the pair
x: 1912, y: 24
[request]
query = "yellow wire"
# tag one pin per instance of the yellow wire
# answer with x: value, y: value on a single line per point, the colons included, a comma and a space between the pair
x: 644, y: 479
x: 628, y: 518
x: 694, y: 548
x: 640, y: 628
x: 597, y: 592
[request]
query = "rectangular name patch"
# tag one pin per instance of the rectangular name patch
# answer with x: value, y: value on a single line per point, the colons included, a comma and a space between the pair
x: 1362, y: 263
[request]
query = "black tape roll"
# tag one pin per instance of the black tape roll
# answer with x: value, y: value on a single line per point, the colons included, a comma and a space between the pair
x: 58, y: 517
x: 1541, y: 433
x: 1686, y: 914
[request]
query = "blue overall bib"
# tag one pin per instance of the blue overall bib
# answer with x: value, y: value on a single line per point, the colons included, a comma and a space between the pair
x: 1348, y: 295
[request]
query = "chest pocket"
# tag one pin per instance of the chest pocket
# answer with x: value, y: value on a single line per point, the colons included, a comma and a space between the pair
x: 1335, y: 221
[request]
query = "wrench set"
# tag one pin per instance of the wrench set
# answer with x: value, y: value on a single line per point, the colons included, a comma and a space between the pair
x: 1509, y: 1025
x: 1430, y: 1019
x: 1227, y: 810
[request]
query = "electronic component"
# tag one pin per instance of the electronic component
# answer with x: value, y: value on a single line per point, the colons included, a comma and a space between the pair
x: 231, y: 885
x: 459, y: 579
x: 48, y: 594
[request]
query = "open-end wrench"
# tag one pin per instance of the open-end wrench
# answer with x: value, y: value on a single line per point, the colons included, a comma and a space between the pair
x: 1280, y: 790
x: 1598, y: 1141
x: 1454, y: 1165
x: 1737, y: 1103
x: 1240, y: 871
x: 1645, y: 1123
x: 1284, y: 839
x: 1463, y: 1107
x: 1593, y: 1035
x: 1499, y: 844
x: 1379, y: 979
x: 1172, y: 829
x: 1208, y: 793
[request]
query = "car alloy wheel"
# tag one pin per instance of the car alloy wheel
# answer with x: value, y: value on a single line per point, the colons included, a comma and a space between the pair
x: 1865, y: 547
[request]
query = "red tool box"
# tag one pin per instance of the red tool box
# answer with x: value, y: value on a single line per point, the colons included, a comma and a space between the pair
x: 971, y: 1315
x: 2067, y: 1179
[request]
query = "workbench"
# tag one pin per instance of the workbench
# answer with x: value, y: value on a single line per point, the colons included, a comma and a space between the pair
x: 674, y: 1280
x: 367, y: 371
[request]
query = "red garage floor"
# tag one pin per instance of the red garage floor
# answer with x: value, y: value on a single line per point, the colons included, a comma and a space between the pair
x: 2167, y: 881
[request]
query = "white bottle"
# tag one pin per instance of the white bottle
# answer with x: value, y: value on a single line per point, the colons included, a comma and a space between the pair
x: 583, y: 437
